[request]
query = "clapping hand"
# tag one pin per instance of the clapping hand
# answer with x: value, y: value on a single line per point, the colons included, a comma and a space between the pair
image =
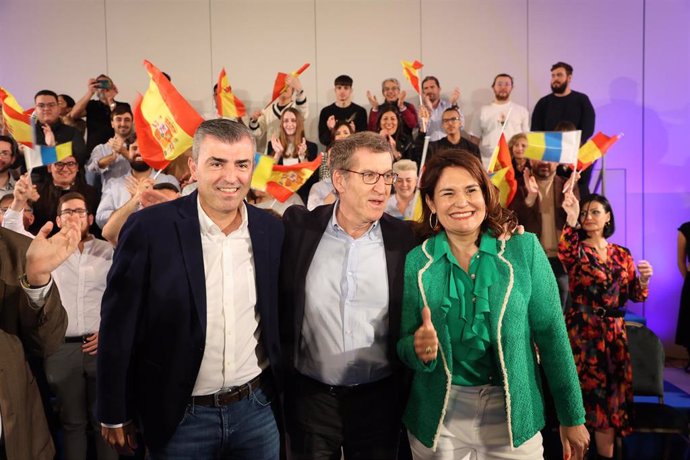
x: 46, y: 254
x: 645, y: 270
x: 372, y: 100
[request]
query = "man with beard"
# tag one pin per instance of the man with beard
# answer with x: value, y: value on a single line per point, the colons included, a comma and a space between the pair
x: 538, y: 206
x: 434, y: 106
x: 8, y: 154
x: 121, y: 190
x: 71, y: 371
x: 501, y: 114
x: 109, y: 160
x: 564, y: 104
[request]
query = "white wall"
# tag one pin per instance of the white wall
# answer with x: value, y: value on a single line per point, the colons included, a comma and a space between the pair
x: 630, y: 57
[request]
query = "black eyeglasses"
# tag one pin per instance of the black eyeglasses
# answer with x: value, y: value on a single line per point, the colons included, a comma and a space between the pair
x: 81, y: 212
x: 371, y: 177
x: 68, y: 164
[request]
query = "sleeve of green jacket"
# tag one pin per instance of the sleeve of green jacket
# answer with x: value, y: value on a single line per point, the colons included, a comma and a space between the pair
x: 412, y: 315
x: 549, y: 332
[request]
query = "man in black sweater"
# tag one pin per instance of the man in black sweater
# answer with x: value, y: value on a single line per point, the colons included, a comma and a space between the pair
x: 343, y: 109
x: 564, y: 104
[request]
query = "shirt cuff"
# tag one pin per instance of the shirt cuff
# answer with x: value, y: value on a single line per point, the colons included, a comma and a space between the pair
x: 115, y: 425
x: 37, y: 296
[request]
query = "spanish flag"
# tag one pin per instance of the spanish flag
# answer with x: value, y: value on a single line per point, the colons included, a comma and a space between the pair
x: 279, y: 85
x: 17, y: 122
x: 410, y: 71
x: 165, y: 122
x: 504, y: 177
x: 227, y: 104
x: 286, y: 180
x: 594, y: 149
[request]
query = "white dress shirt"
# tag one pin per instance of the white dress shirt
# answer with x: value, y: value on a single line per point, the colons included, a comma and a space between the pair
x: 233, y: 354
x: 14, y: 220
x: 345, y: 325
x: 81, y: 282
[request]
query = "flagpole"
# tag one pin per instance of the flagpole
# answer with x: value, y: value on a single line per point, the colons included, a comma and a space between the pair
x: 494, y: 155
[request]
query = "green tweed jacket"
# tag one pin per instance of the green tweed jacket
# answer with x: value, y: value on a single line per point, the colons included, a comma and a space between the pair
x: 525, y: 311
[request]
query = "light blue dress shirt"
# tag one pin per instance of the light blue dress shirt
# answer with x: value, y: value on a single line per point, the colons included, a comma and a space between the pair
x: 345, y: 325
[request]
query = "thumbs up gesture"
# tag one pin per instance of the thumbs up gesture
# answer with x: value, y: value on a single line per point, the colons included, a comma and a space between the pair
x: 425, y: 339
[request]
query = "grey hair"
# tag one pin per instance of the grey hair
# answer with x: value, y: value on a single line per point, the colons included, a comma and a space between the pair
x: 343, y: 150
x: 394, y: 80
x: 404, y: 165
x: 227, y: 131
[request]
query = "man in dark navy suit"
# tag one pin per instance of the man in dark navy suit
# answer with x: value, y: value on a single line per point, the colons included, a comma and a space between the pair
x: 189, y: 351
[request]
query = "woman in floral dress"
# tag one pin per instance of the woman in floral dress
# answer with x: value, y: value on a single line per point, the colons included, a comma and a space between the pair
x: 602, y: 279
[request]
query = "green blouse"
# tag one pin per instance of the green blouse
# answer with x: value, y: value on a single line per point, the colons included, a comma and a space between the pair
x: 466, y: 307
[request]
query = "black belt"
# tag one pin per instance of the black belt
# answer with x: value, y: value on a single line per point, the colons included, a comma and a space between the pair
x: 77, y: 339
x: 223, y: 398
x: 600, y: 311
x: 343, y: 390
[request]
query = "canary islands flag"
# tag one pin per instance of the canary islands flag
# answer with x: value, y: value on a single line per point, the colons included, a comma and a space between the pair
x: 263, y: 167
x: 557, y: 147
x: 42, y: 155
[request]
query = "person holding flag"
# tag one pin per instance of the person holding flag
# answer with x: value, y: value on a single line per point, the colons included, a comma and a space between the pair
x: 267, y: 121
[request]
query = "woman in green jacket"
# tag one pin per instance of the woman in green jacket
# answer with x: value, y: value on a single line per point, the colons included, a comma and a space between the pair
x: 478, y: 314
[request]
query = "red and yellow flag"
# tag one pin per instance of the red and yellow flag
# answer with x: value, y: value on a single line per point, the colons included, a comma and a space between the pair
x: 279, y: 86
x: 286, y: 180
x: 165, y: 122
x: 17, y: 122
x: 504, y: 177
x: 227, y: 104
x: 410, y: 71
x: 594, y: 149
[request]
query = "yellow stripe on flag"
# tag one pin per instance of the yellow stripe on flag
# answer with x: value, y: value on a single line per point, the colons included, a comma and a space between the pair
x: 536, y: 146
x: 63, y: 150
x: 263, y: 167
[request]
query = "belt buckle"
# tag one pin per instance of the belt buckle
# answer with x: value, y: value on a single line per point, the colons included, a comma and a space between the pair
x: 600, y: 312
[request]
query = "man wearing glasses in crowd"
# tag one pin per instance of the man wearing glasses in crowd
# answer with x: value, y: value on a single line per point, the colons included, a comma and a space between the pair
x: 64, y: 178
x: 341, y: 288
x: 47, y: 115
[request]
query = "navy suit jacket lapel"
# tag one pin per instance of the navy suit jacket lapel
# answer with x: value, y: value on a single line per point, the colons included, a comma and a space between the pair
x: 189, y: 233
x: 313, y: 232
x: 262, y: 259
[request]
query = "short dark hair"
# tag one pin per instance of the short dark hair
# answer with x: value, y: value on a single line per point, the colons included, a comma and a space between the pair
x: 343, y: 150
x: 69, y: 100
x: 46, y: 92
x: 430, y: 77
x: 224, y: 130
x: 14, y: 148
x: 565, y: 126
x: 166, y: 186
x: 568, y: 68
x: 121, y: 109
x: 608, y: 229
x: 343, y: 80
x: 71, y: 196
x: 502, y: 75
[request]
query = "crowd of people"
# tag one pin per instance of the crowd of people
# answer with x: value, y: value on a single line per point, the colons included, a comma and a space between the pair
x: 196, y: 325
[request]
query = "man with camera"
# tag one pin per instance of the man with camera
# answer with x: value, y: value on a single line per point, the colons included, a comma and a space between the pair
x: 97, y: 111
